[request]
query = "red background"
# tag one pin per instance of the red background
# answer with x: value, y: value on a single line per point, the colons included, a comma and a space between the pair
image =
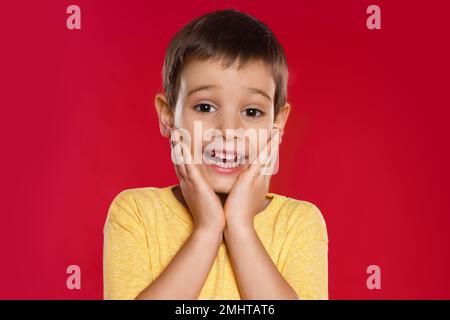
x: 367, y: 140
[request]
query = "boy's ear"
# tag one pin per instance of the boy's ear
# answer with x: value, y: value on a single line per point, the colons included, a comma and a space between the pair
x: 165, y: 115
x: 281, y: 119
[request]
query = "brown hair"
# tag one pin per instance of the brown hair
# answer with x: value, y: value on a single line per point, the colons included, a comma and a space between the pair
x: 227, y: 35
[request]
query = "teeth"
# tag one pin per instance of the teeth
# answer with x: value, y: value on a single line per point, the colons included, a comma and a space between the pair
x: 226, y: 156
x: 226, y: 164
x: 225, y: 159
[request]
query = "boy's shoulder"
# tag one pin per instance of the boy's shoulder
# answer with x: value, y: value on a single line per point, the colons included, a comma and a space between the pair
x: 301, y: 214
x: 297, y: 206
x: 141, y: 195
x: 139, y: 192
x: 133, y: 206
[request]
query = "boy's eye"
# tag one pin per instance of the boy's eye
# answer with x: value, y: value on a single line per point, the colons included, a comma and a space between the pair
x: 253, y: 112
x: 204, y: 107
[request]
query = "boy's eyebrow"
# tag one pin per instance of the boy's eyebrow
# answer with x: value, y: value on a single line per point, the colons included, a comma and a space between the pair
x: 203, y: 87
x: 261, y: 92
x: 210, y: 86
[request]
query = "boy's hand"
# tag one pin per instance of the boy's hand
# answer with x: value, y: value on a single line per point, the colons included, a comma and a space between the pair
x: 249, y: 191
x: 203, y: 202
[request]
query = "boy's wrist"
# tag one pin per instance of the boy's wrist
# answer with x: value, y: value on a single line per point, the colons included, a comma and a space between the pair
x: 209, y: 231
x: 238, y: 227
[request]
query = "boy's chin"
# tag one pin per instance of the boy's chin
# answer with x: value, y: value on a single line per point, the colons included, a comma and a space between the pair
x: 221, y: 185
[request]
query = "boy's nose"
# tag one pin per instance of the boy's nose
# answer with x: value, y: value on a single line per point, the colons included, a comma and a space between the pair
x: 230, y: 127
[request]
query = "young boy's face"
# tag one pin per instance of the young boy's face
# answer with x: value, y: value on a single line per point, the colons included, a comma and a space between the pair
x: 225, y: 98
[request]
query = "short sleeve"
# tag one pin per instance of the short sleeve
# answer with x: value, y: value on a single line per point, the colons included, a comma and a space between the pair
x: 126, y: 265
x: 306, y: 268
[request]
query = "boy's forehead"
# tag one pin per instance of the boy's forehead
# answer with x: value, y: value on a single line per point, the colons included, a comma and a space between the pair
x: 200, y: 75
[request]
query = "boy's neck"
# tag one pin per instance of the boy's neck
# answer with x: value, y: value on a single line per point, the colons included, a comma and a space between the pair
x: 179, y: 195
x: 222, y: 196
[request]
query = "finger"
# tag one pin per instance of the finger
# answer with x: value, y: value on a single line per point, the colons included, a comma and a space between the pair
x: 178, y: 155
x: 191, y: 168
x: 263, y: 179
x: 176, y: 165
x: 178, y: 173
x: 266, y: 153
x: 173, y: 142
x: 272, y: 145
x: 271, y: 166
x: 175, y: 135
x: 181, y: 163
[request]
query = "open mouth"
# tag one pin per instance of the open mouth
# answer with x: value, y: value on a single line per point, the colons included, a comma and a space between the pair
x: 224, y: 159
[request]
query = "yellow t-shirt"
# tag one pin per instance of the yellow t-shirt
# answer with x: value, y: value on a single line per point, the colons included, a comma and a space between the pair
x: 146, y: 227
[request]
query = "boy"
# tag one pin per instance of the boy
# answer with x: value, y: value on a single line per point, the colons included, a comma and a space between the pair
x: 219, y: 233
